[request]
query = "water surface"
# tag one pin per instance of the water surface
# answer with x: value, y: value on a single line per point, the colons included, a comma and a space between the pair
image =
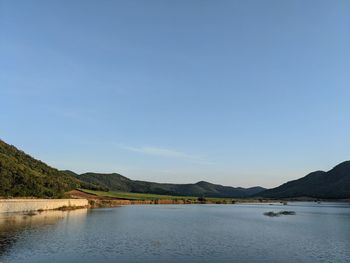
x: 180, y: 233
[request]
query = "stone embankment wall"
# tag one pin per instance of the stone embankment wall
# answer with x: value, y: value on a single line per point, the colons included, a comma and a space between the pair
x: 25, y: 205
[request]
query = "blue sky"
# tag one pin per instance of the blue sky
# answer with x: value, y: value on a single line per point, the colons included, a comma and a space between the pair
x: 239, y: 93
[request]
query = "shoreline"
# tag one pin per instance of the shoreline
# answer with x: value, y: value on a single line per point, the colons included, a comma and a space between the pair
x: 78, y: 199
x: 97, y: 200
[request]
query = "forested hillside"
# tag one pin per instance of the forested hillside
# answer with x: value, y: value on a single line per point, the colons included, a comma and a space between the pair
x: 332, y: 184
x: 22, y: 175
x: 117, y: 182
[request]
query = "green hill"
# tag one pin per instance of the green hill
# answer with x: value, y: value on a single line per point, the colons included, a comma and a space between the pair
x: 332, y: 184
x: 117, y: 182
x: 22, y: 175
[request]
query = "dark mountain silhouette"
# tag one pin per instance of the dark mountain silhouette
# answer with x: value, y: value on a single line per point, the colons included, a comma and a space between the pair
x: 332, y: 184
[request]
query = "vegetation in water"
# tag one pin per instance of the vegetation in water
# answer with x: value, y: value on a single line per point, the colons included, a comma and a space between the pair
x: 274, y: 214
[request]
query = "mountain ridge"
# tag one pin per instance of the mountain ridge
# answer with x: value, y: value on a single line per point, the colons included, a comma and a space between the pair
x: 333, y: 184
x: 23, y: 175
x: 118, y: 182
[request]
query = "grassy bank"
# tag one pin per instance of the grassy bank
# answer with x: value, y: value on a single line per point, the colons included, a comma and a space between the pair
x: 136, y: 196
x: 154, y: 197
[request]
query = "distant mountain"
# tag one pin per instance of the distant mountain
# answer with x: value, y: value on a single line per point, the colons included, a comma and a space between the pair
x: 117, y: 182
x: 332, y: 184
x: 111, y: 181
x: 22, y: 175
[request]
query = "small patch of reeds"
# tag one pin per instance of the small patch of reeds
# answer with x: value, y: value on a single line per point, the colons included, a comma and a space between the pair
x: 275, y: 214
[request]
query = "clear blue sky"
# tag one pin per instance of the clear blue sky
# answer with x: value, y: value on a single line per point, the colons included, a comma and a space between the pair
x: 239, y: 93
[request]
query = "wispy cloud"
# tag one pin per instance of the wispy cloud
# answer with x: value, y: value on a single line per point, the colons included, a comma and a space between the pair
x: 160, y: 152
x: 163, y: 152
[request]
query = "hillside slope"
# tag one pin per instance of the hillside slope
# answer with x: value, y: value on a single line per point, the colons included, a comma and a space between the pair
x: 332, y: 184
x: 117, y: 182
x: 22, y: 175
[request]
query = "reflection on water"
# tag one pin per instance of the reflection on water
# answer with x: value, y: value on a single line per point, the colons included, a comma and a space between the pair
x: 181, y: 233
x: 14, y: 225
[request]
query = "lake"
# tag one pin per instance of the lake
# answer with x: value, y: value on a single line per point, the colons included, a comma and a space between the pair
x: 180, y: 233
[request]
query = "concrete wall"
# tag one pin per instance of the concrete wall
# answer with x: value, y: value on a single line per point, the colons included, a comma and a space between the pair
x: 24, y: 205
